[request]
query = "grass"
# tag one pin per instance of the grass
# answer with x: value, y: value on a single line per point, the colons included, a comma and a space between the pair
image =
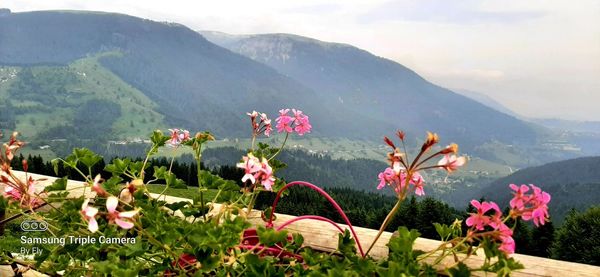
x: 189, y: 192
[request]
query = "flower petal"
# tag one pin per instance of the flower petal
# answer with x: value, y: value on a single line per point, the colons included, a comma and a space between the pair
x: 111, y: 204
x: 124, y: 224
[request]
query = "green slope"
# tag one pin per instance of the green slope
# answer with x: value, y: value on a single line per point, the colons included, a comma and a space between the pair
x: 38, y: 99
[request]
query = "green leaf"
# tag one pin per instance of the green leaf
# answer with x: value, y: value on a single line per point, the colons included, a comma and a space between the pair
x: 443, y: 230
x: 158, y: 138
x: 118, y: 166
x: 270, y: 237
x: 58, y: 184
x: 87, y: 157
x: 346, y: 244
x: 55, y: 163
x: 460, y: 270
x: 160, y: 172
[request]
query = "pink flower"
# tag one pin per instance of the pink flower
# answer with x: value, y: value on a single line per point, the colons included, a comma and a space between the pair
x: 284, y: 121
x: 13, y: 193
x: 266, y: 124
x: 266, y: 177
x: 123, y: 219
x: 184, y: 135
x: 418, y: 182
x: 385, y: 177
x: 539, y: 203
x: 89, y: 215
x: 507, y: 245
x: 452, y: 162
x: 25, y: 195
x: 251, y: 165
x: 257, y: 171
x: 178, y: 136
x: 479, y: 220
x: 97, y: 186
x: 532, y: 206
x: 302, y: 123
x: 519, y: 199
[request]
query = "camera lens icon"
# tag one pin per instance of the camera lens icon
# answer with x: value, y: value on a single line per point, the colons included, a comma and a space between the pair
x: 34, y: 226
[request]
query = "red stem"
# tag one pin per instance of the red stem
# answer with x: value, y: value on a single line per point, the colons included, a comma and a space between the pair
x: 324, y: 194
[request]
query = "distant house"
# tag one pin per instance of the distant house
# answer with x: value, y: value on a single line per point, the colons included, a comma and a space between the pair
x: 43, y: 147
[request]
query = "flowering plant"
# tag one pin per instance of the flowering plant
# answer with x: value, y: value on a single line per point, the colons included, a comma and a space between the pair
x: 140, y: 233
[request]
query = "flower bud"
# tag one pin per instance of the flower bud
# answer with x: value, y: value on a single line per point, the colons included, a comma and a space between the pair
x: 389, y: 142
x: 400, y: 135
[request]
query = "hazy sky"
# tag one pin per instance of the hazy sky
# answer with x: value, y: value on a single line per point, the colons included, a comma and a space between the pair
x: 539, y: 58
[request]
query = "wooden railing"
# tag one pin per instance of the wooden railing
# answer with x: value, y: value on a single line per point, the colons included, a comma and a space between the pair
x: 322, y: 236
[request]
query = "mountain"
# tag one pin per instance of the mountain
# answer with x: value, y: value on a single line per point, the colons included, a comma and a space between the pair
x: 345, y: 76
x: 573, y: 183
x: 488, y: 101
x: 569, y: 125
x: 61, y: 71
x: 190, y: 81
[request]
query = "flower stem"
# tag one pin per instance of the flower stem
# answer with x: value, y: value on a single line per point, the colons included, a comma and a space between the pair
x: 280, y: 148
x: 384, y: 225
x: 198, y: 157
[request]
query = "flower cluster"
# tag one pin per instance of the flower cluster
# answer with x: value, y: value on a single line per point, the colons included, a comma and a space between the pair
x: 533, y: 206
x: 396, y: 178
x: 482, y: 218
x: 178, y: 136
x: 22, y: 191
x: 257, y: 171
x: 122, y: 219
x: 403, y: 175
x: 25, y: 194
x: 262, y: 126
x: 299, y: 122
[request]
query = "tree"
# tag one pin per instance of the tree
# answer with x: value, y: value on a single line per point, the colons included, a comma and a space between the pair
x: 578, y: 239
x: 541, y: 240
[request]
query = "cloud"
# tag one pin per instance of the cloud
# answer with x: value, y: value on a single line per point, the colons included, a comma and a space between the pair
x: 456, y: 12
x: 315, y: 9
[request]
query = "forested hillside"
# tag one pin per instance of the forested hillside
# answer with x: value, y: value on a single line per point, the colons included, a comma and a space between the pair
x: 572, y: 183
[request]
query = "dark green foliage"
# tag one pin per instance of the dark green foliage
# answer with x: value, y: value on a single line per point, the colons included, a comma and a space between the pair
x: 578, y: 239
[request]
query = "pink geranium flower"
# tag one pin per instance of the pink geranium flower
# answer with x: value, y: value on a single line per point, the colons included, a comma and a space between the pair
x: 266, y: 175
x: 532, y: 206
x: 520, y: 198
x: 539, y: 205
x: 284, y: 121
x: 479, y: 220
x: 13, y: 193
x: 25, y: 195
x: 266, y: 122
x: 97, y: 187
x: 418, y: 182
x: 123, y: 219
x: 302, y: 123
x: 251, y: 166
x: 89, y: 215
x: 507, y: 245
x: 452, y: 162
x: 257, y: 171
x: 178, y: 136
x: 385, y: 177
